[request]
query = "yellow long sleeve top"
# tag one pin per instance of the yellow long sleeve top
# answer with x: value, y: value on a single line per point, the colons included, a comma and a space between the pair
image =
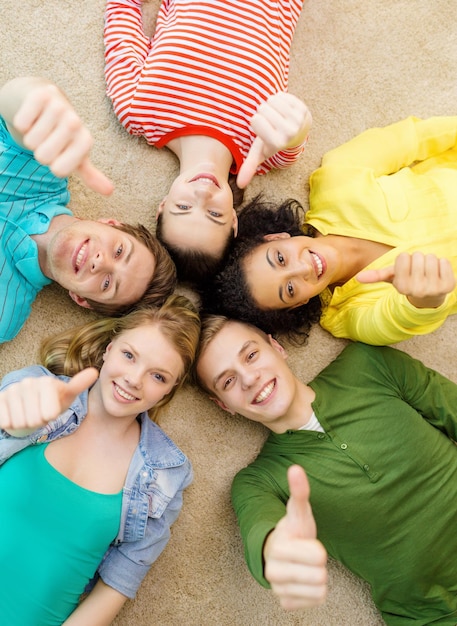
x: 395, y: 185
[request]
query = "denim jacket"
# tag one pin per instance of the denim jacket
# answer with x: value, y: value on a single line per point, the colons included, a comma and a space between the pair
x: 152, y: 494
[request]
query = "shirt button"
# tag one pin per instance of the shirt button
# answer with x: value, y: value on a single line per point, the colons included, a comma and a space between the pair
x: 344, y: 446
x: 42, y: 438
x: 366, y: 467
x: 320, y: 436
x: 134, y: 511
x: 144, y: 474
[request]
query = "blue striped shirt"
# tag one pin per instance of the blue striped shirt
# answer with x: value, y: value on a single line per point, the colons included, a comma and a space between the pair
x: 30, y: 196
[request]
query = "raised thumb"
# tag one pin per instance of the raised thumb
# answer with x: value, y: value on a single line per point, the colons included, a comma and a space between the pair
x: 253, y: 159
x: 81, y: 381
x: 94, y: 178
x: 299, y: 517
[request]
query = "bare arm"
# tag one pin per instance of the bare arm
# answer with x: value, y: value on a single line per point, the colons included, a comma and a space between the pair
x: 40, y: 118
x: 99, y: 608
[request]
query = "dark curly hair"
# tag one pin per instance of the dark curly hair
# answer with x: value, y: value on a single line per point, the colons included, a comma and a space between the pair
x: 195, y: 266
x: 228, y: 293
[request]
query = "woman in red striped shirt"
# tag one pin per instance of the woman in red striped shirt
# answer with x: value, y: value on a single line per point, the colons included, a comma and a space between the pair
x: 210, y: 85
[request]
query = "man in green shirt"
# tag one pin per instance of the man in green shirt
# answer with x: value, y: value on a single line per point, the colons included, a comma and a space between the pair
x: 374, y: 432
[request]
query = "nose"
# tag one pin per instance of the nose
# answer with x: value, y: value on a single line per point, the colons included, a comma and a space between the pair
x: 99, y: 262
x: 301, y: 268
x: 249, y: 377
x: 203, y: 191
x: 133, y: 377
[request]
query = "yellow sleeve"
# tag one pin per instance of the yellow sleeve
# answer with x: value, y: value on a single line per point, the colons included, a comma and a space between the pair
x: 383, y: 316
x: 386, y: 150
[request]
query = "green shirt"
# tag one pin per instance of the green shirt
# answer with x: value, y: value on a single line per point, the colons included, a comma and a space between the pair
x: 53, y: 539
x: 383, y: 481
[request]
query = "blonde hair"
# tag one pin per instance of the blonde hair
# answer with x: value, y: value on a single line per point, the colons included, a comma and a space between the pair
x: 72, y: 350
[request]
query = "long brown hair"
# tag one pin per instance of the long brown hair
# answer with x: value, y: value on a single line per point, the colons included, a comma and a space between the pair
x: 74, y: 349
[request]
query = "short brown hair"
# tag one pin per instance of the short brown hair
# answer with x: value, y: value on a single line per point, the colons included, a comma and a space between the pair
x: 163, y: 280
x: 211, y: 325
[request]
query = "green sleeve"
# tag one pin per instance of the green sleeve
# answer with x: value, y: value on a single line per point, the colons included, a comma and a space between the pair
x: 386, y: 150
x: 432, y: 395
x: 259, y: 506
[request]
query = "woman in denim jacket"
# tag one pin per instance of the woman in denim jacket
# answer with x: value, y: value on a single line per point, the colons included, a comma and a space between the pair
x: 91, y: 512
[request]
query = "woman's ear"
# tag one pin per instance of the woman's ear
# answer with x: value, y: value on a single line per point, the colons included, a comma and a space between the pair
x: 107, y: 349
x: 160, y: 207
x: 275, y: 236
x: 235, y: 223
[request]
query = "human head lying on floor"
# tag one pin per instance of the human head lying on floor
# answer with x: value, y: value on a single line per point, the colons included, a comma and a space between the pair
x: 105, y: 265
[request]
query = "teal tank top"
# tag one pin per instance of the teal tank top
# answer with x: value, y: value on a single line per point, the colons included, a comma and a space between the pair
x: 54, y: 534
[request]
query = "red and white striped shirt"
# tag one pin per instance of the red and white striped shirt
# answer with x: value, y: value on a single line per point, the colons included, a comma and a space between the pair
x: 206, y: 70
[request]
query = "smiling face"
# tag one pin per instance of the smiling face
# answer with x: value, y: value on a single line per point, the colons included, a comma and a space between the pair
x: 95, y: 261
x: 140, y: 367
x: 198, y: 211
x: 247, y: 373
x: 286, y: 272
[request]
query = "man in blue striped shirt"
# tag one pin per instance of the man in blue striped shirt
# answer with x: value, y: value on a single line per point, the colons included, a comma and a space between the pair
x: 104, y: 264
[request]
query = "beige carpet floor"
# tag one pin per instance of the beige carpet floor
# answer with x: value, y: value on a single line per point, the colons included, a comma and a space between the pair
x: 357, y: 63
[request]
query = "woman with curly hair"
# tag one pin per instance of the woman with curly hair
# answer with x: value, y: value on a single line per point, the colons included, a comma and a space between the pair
x: 376, y: 258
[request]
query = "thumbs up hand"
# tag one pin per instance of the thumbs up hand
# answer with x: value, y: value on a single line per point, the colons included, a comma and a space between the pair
x: 295, y: 561
x: 33, y: 402
x: 281, y: 122
x: 41, y: 118
x: 424, y: 279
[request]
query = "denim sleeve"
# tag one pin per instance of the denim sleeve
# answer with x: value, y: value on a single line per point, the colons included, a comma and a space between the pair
x: 125, y: 565
x: 33, y: 371
x: 9, y: 445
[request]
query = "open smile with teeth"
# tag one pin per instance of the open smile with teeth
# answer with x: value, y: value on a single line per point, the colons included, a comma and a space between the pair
x: 317, y: 264
x: 124, y: 394
x: 265, y: 393
x: 80, y: 257
x: 205, y: 179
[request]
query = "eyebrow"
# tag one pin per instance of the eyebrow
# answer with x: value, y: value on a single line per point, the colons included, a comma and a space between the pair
x: 209, y: 217
x: 243, y: 348
x: 271, y: 263
x: 136, y: 354
x: 126, y: 261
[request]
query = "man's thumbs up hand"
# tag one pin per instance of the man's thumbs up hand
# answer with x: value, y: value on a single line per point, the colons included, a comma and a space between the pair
x: 295, y: 561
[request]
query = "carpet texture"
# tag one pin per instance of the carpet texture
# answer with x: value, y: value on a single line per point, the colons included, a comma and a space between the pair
x: 357, y: 64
